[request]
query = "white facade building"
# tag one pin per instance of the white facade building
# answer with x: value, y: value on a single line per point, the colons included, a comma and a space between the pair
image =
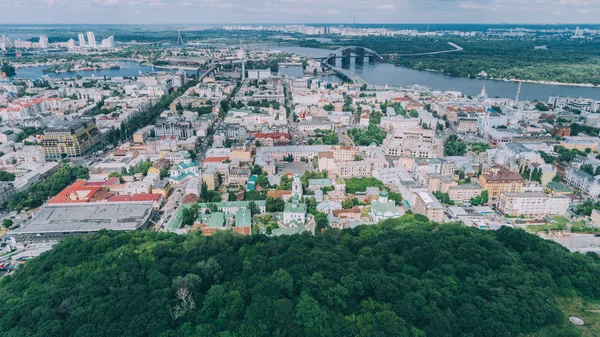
x: 532, y: 204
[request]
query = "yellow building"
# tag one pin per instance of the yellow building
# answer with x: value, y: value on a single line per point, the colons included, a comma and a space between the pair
x: 69, y: 139
x: 500, y: 179
x: 162, y: 187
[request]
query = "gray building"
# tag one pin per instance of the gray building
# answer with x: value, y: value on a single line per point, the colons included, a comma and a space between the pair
x: 173, y: 126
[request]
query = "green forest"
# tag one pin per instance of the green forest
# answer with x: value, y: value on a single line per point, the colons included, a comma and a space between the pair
x: 567, y: 61
x: 404, y: 277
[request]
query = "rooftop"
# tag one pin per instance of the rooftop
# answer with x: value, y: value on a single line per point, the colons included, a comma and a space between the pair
x: 85, y: 218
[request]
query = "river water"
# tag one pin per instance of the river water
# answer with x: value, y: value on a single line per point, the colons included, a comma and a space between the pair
x: 389, y: 74
x: 132, y: 68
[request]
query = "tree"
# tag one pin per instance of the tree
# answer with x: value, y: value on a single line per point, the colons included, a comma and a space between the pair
x: 396, y: 278
x: 232, y: 196
x: 7, y: 223
x: 253, y: 208
x: 322, y: 222
x: 454, y: 146
x: 483, y: 198
x: 7, y: 176
x: 275, y: 205
x: 444, y: 198
x: 349, y: 203
x: 354, y: 185
x: 285, y: 183
x: 188, y: 216
x: 256, y: 169
x: 414, y: 113
x: 588, y: 168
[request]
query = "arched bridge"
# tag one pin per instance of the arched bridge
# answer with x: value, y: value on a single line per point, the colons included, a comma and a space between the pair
x: 346, y: 52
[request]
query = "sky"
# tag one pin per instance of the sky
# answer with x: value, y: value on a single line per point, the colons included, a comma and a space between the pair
x: 297, y: 11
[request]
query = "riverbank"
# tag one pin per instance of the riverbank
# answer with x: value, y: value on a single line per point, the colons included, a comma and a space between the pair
x: 170, y: 67
x: 583, y: 85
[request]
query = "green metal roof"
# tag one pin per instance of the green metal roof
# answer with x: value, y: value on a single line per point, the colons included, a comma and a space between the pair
x: 294, y: 208
x: 382, y: 208
x: 217, y: 220
x: 243, y: 218
x: 555, y: 185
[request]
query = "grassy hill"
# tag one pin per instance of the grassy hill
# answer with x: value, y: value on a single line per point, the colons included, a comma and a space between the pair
x: 405, y: 277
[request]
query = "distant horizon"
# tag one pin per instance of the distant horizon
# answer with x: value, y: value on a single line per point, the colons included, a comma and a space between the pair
x: 301, y: 23
x: 219, y: 12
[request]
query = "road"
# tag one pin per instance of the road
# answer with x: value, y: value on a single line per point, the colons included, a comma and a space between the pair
x: 170, y: 208
x: 454, y: 45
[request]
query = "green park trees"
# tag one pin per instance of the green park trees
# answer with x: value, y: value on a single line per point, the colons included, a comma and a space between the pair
x: 404, y: 277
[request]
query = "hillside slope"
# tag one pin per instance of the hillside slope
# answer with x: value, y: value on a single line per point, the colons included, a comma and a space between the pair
x: 406, y: 277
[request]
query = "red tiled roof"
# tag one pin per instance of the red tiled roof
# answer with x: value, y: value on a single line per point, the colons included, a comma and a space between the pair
x: 120, y: 198
x: 275, y: 135
x: 77, y: 192
x: 145, y: 197
x: 215, y: 159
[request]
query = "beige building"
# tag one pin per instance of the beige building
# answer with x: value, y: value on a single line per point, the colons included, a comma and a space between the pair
x: 500, y: 179
x: 464, y: 193
x: 436, y: 182
x: 426, y: 204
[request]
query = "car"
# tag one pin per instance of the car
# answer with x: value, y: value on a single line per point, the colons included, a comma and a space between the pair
x: 597, y: 235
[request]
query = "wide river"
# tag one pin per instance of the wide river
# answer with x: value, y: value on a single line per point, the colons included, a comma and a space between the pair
x: 132, y: 68
x: 388, y: 74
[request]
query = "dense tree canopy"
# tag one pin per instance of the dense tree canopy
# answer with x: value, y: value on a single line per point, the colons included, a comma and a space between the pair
x: 37, y: 194
x: 454, y: 146
x: 372, y: 135
x: 405, y: 277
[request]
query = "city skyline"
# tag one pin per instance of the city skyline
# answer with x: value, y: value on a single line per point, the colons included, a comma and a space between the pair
x: 295, y: 11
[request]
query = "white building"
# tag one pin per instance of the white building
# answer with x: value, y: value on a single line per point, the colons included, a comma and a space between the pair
x: 383, y: 208
x: 109, y: 42
x: 582, y: 181
x: 82, y: 40
x: 44, y: 42
x: 417, y: 142
x: 91, y: 39
x: 259, y: 74
x: 532, y: 204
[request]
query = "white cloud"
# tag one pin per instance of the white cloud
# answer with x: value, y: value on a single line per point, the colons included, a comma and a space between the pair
x: 297, y: 11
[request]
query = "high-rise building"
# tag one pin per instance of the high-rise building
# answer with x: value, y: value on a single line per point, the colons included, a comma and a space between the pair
x: 109, y: 42
x: 71, y: 44
x: 5, y: 42
x: 44, y: 42
x: 69, y: 139
x: 91, y: 39
x: 81, y: 40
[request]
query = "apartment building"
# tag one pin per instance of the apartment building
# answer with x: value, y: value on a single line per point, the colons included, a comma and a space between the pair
x: 464, y: 193
x: 344, y: 153
x: 70, y: 139
x: 582, y: 181
x: 319, y: 123
x: 412, y: 141
x: 438, y: 182
x: 173, y: 126
x: 426, y: 204
x: 500, y: 179
x: 532, y: 204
